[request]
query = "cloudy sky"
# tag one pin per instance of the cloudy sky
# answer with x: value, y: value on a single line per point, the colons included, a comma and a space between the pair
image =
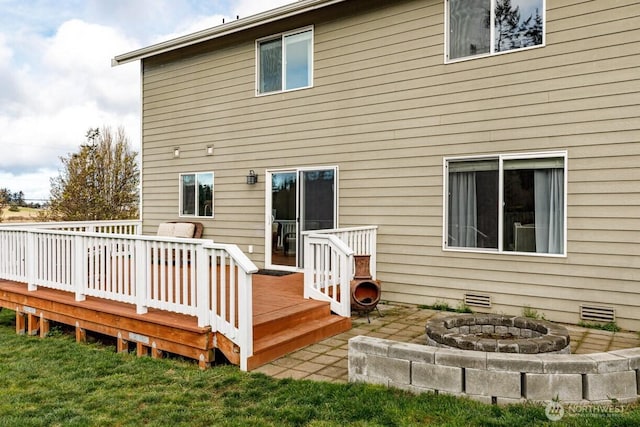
x: 56, y: 79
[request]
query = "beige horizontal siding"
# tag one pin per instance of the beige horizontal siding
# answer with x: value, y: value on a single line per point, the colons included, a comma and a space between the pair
x: 386, y: 110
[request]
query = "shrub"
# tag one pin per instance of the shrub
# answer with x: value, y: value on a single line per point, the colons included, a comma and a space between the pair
x: 610, y: 326
x: 532, y: 313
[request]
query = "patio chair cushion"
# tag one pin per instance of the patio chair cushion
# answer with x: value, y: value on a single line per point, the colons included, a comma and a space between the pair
x: 166, y: 229
x: 184, y: 229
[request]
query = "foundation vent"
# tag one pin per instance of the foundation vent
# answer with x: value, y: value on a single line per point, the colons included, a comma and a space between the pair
x: 477, y: 300
x: 597, y: 314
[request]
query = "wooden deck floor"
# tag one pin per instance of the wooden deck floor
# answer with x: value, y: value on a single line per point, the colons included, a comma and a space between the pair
x: 283, y: 321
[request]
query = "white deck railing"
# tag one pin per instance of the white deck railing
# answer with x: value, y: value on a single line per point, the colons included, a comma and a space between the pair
x: 189, y: 276
x: 111, y: 227
x: 329, y: 265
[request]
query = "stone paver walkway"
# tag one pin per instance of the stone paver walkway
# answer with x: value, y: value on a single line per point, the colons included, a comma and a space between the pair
x: 327, y: 360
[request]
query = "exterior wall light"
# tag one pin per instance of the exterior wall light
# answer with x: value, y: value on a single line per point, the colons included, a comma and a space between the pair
x: 176, y: 152
x: 252, y: 178
x: 209, y: 150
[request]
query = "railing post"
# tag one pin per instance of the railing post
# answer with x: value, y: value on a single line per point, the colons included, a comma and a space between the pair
x: 346, y: 267
x: 308, y: 266
x: 79, y: 264
x: 32, y: 259
x: 373, y: 251
x: 141, y: 268
x: 202, y: 287
x: 245, y: 317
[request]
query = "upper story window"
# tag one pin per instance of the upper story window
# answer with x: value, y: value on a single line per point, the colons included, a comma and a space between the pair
x: 485, y: 27
x: 506, y: 203
x: 285, y: 61
x: 196, y: 194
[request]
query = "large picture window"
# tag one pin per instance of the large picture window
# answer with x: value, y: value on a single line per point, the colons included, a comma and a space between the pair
x: 285, y: 62
x: 483, y: 27
x: 508, y: 203
x: 196, y: 194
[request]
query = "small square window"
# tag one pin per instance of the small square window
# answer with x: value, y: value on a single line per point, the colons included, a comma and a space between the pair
x: 285, y: 62
x: 484, y: 27
x: 196, y: 195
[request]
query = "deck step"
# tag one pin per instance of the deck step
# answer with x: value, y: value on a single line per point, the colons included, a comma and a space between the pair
x: 272, y: 346
x: 289, y: 317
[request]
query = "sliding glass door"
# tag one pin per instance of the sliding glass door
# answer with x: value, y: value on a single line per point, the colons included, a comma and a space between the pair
x: 299, y: 200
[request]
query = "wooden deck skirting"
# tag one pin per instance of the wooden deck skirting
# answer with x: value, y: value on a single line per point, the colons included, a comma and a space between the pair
x: 153, y: 333
x: 283, y: 321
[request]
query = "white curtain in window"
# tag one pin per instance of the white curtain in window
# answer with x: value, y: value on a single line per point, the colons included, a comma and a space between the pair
x: 549, y: 210
x: 271, y: 66
x: 463, y: 210
x: 469, y: 28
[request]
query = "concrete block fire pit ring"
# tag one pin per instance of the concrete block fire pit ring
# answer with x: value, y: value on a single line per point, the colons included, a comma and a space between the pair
x: 498, y: 333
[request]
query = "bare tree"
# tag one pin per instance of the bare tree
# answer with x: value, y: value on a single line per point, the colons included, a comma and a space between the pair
x: 100, y: 182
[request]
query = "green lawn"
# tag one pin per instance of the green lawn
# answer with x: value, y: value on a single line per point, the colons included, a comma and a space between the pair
x: 57, y: 382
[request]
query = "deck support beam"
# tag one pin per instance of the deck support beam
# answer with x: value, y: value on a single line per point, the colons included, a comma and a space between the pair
x: 44, y: 326
x: 30, y: 324
x: 81, y: 334
x: 122, y: 345
x: 142, y: 350
x: 21, y: 323
x: 156, y: 353
x: 205, y: 359
x: 33, y: 324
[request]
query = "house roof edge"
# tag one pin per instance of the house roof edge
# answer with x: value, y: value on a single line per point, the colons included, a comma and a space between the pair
x: 238, y: 25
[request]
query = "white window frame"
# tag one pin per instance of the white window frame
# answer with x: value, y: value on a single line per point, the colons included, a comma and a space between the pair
x: 492, y: 51
x: 197, y: 195
x: 501, y: 159
x: 282, y: 36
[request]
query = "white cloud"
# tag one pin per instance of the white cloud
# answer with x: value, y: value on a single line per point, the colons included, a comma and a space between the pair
x: 35, y: 185
x: 54, y: 101
x: 56, y: 79
x: 78, y: 64
x: 5, y: 52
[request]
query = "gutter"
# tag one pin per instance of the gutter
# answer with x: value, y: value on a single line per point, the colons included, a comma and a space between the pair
x: 293, y: 9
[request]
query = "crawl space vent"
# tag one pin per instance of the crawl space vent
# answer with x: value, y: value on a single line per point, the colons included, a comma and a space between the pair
x: 597, y: 314
x: 477, y: 300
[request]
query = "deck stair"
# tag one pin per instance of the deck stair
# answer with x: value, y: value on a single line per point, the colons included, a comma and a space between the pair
x: 300, y: 326
x: 286, y: 322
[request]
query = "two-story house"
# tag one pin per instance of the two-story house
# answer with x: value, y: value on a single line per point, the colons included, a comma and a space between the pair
x: 494, y: 143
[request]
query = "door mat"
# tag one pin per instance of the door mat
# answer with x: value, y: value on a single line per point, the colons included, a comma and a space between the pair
x: 278, y: 273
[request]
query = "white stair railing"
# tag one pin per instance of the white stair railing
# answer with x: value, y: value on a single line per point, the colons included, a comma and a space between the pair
x: 326, y: 276
x: 362, y: 240
x: 328, y: 270
x: 230, y: 274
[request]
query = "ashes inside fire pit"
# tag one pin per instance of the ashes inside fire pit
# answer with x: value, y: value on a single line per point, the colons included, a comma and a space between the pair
x: 497, y: 333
